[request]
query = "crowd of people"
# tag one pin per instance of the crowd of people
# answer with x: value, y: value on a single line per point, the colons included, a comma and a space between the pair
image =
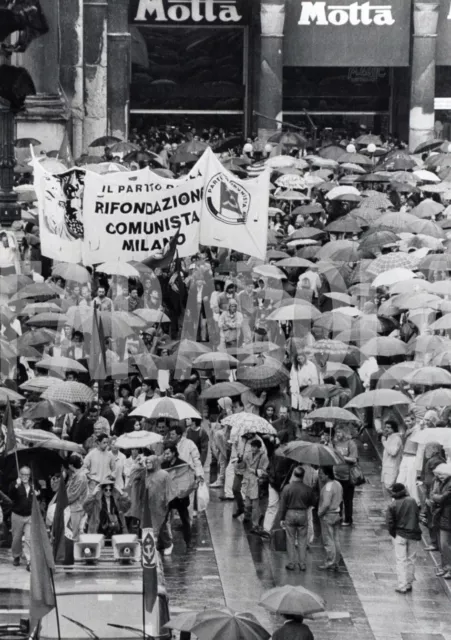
x: 351, y: 304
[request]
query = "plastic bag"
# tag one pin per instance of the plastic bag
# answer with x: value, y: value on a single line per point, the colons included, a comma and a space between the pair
x: 203, y: 497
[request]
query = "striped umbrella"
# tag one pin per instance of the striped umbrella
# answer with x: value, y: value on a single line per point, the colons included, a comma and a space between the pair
x: 166, y: 408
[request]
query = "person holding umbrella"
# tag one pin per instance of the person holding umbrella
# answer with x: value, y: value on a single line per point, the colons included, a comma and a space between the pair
x: 293, y: 628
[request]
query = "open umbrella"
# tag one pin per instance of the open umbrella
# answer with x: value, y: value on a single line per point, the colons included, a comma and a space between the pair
x: 35, y: 338
x: 384, y: 346
x: 138, y: 440
x: 166, y: 408
x: 69, y: 391
x: 47, y: 319
x: 391, y: 261
x: 37, y: 290
x: 436, y: 398
x: 310, y: 453
x: 394, y: 374
x: 34, y: 308
x: 117, y: 268
x: 262, y: 376
x: 39, y: 384
x: 214, y: 360
x: 332, y: 414
x: 295, y: 312
x: 249, y: 423
x: 393, y: 276
x: 429, y: 376
x: 104, y: 141
x: 292, y: 600
x: 378, y: 398
x: 270, y: 271
x: 223, y: 390
x: 318, y: 391
x: 48, y: 409
x: 219, y: 624
x: 9, y: 394
x: 61, y: 363
x: 71, y: 272
x: 152, y: 316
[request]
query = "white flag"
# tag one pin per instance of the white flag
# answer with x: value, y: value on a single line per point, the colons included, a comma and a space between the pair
x: 234, y: 211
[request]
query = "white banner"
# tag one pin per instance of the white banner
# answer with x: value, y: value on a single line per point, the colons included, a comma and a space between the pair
x: 60, y: 200
x: 235, y: 212
x: 126, y: 215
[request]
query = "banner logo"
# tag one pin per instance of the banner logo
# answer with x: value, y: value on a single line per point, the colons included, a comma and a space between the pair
x: 227, y: 201
x: 149, y: 560
x: 337, y: 15
x: 188, y: 11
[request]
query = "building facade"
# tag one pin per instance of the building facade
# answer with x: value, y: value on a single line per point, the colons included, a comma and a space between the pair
x: 110, y: 65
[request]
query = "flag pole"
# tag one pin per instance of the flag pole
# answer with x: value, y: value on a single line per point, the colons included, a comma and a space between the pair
x: 57, y: 613
x: 144, y: 609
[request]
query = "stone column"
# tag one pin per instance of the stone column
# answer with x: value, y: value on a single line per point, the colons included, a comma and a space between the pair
x: 46, y: 112
x: 71, y: 67
x: 95, y: 70
x: 119, y: 68
x: 422, y: 89
x: 272, y: 19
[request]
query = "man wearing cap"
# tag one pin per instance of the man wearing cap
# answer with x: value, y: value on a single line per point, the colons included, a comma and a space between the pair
x: 403, y: 522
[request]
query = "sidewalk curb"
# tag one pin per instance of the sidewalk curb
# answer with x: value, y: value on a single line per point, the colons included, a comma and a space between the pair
x: 444, y: 583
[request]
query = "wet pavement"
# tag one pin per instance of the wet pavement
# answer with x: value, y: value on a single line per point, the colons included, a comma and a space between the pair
x: 229, y: 566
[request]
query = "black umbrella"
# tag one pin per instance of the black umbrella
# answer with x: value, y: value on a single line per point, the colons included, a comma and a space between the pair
x: 288, y: 139
x: 24, y: 143
x: 431, y: 145
x: 227, y: 144
x: 42, y: 462
x: 105, y: 141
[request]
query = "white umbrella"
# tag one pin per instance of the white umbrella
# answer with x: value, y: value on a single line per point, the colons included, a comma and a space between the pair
x: 336, y: 192
x: 270, y: 271
x: 138, y: 440
x: 116, y: 268
x: 392, y: 277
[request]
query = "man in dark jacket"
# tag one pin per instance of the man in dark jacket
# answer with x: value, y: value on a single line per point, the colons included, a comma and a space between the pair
x: 403, y: 522
x: 295, y: 501
x: 21, y: 495
x: 285, y: 427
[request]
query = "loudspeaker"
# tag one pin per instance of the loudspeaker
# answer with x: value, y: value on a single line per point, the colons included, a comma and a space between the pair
x: 126, y: 548
x: 89, y: 547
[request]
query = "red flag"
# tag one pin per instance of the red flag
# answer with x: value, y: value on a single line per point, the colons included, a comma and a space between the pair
x: 10, y: 444
x: 59, y: 542
x: 149, y: 560
x: 42, y: 596
x: 65, y: 151
x: 97, y: 357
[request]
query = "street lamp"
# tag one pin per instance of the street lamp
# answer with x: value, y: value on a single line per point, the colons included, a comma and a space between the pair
x: 26, y: 18
x: 9, y: 207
